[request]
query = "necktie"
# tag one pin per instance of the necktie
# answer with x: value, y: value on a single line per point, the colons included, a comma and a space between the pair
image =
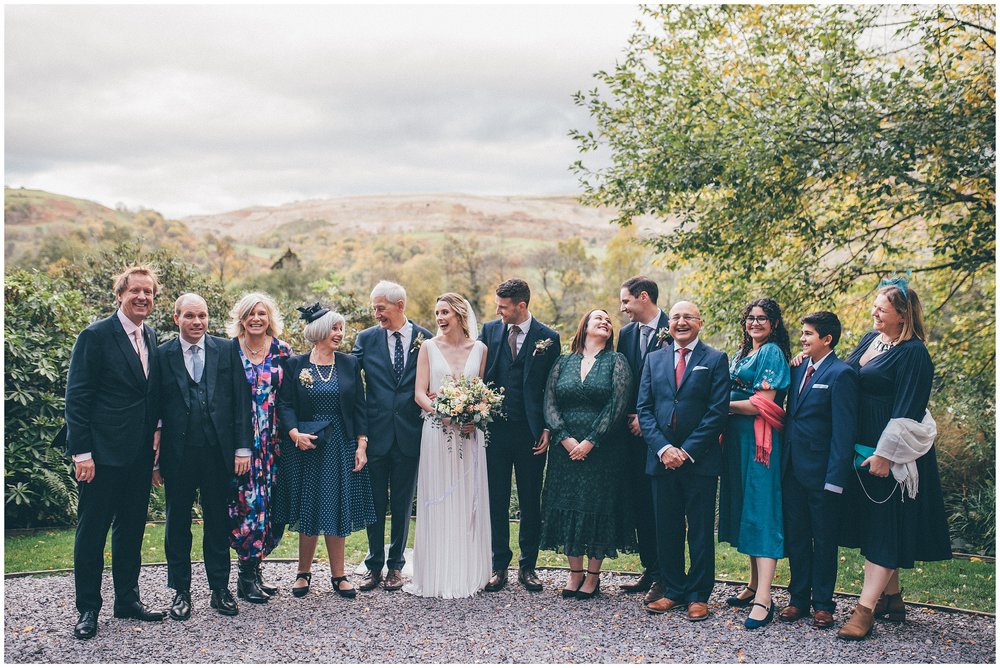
x: 809, y: 373
x: 197, y: 366
x: 512, y: 340
x: 681, y: 365
x: 140, y: 348
x: 647, y: 331
x: 397, y: 356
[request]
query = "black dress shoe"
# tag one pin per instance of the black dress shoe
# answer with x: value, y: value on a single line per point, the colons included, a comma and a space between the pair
x: 223, y: 601
x: 138, y: 610
x: 641, y: 585
x: 86, y: 625
x: 497, y: 581
x: 180, y: 609
x: 529, y: 579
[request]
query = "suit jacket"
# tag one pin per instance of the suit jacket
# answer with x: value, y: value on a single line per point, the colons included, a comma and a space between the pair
x: 536, y: 367
x: 392, y: 411
x: 295, y: 405
x: 229, y: 401
x: 820, y: 425
x: 701, y: 406
x: 629, y: 342
x: 110, y: 404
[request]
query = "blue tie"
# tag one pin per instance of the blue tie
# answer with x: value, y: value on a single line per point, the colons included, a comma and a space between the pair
x: 196, y: 364
x: 397, y: 357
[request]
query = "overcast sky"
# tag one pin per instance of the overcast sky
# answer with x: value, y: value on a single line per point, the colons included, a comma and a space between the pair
x: 204, y: 109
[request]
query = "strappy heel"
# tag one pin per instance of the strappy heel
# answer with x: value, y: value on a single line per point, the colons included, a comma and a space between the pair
x: 582, y: 595
x: 299, y: 592
x: 345, y: 593
x: 737, y: 602
x: 571, y: 593
x: 752, y: 623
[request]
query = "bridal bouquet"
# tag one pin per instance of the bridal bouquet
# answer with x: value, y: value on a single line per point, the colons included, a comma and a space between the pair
x: 467, y: 400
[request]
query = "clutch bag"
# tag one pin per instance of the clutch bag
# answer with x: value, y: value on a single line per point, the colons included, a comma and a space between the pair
x: 861, y: 453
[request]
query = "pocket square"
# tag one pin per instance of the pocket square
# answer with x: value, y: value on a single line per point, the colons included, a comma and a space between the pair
x: 700, y: 368
x: 819, y: 386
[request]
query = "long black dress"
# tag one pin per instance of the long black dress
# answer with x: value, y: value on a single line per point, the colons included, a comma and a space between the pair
x: 894, y: 534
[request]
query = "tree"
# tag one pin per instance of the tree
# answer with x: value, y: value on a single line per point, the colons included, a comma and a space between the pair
x: 566, y: 288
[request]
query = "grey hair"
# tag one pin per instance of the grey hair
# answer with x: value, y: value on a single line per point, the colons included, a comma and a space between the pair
x: 320, y: 328
x: 242, y: 308
x: 392, y: 292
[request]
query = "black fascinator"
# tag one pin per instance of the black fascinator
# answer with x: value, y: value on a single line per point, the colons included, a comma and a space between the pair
x: 312, y: 312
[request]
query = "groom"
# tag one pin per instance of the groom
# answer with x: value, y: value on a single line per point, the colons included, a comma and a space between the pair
x: 520, y: 353
x: 387, y: 353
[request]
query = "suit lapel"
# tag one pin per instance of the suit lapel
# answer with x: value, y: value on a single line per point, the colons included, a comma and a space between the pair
x: 211, y: 366
x: 817, y: 375
x: 128, y: 350
x: 654, y: 339
x: 411, y: 354
x: 175, y: 360
x: 693, y: 359
x: 671, y: 377
x: 346, y: 382
x: 528, y: 347
x: 793, y: 390
x: 383, y: 352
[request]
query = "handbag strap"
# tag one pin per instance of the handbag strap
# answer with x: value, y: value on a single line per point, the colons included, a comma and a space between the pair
x: 861, y: 482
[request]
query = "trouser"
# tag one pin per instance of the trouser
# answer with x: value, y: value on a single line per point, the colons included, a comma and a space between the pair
x: 685, y: 503
x: 396, y: 473
x: 811, y: 518
x: 117, y: 498
x: 639, y: 495
x: 510, y: 448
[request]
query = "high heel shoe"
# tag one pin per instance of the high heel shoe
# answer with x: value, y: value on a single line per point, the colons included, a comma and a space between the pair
x: 891, y: 607
x: 583, y: 595
x: 752, y: 623
x: 737, y: 602
x: 299, y: 592
x: 571, y: 593
x: 345, y: 593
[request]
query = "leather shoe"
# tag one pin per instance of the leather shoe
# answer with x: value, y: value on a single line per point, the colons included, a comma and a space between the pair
x: 393, y: 580
x: 659, y: 606
x: 642, y: 584
x: 138, y: 610
x: 223, y: 601
x: 86, y: 625
x: 655, y: 593
x: 792, y: 613
x: 370, y: 580
x: 497, y: 581
x: 180, y: 609
x: 859, y: 625
x: 822, y: 619
x: 697, y: 611
x: 529, y: 579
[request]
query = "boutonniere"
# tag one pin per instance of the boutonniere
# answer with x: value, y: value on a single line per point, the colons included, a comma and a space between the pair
x: 662, y: 334
x: 542, y: 346
x: 306, y: 378
x: 418, y: 341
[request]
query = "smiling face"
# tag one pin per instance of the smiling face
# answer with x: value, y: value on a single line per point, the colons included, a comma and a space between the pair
x: 885, y: 318
x: 599, y: 326
x: 813, y: 345
x: 758, y: 326
x: 390, y: 315
x: 631, y: 306
x: 333, y: 339
x: 446, y: 317
x: 136, y: 300
x: 191, y: 317
x: 510, y: 312
x: 257, y: 321
x: 685, y: 323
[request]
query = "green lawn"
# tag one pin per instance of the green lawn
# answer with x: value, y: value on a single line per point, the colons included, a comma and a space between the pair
x: 963, y: 584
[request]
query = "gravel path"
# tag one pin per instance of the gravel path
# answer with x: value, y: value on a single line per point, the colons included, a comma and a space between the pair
x: 512, y: 626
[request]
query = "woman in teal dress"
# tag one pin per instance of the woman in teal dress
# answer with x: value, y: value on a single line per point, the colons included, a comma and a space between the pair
x: 582, y: 504
x: 750, y: 494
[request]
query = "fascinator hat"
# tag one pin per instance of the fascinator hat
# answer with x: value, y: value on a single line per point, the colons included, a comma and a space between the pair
x: 312, y: 312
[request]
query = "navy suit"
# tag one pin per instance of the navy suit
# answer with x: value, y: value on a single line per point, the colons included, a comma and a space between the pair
x: 819, y: 439
x: 203, y: 426
x: 111, y: 413
x: 393, y: 441
x: 638, y: 490
x: 512, y: 438
x: 690, y: 417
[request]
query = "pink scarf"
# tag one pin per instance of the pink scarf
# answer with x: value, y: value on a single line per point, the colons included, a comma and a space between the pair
x: 769, y: 415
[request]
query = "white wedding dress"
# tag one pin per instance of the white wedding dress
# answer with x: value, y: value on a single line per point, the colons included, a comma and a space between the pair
x: 451, y: 550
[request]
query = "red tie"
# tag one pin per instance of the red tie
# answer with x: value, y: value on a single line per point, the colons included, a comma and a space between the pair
x: 681, y: 365
x: 809, y: 373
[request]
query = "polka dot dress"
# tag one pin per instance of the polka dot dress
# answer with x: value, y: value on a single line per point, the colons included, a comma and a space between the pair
x: 325, y: 496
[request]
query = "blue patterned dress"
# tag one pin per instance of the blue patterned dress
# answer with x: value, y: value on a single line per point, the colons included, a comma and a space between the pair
x: 750, y: 492
x: 254, y: 533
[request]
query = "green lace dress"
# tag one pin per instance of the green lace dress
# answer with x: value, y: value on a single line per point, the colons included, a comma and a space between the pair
x: 583, y: 510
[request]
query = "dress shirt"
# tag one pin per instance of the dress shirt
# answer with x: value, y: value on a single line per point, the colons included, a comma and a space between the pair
x: 406, y: 335
x: 524, y: 327
x: 652, y: 335
x: 677, y: 357
x: 836, y: 489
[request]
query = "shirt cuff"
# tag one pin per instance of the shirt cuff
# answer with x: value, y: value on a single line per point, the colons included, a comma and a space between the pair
x: 243, y: 452
x: 659, y: 453
x: 159, y: 424
x: 83, y: 456
x: 833, y: 488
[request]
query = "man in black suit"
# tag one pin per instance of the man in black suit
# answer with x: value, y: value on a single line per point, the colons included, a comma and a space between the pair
x: 646, y: 331
x: 816, y: 465
x: 683, y: 403
x: 387, y: 353
x: 520, y: 353
x: 111, y: 402
x: 205, y: 438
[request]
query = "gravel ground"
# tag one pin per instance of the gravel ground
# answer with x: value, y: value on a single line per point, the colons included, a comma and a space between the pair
x: 511, y: 626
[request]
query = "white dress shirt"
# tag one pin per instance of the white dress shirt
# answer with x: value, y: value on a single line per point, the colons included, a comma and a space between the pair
x: 677, y: 358
x: 406, y: 334
x: 524, y: 327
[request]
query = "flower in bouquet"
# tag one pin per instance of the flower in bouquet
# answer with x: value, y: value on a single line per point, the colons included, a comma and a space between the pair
x: 466, y: 401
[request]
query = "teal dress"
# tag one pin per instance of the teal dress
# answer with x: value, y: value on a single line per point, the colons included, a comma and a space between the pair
x: 750, y: 492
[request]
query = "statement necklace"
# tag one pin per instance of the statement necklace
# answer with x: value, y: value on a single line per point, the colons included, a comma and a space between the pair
x: 251, y: 353
x: 325, y: 379
x: 881, y: 346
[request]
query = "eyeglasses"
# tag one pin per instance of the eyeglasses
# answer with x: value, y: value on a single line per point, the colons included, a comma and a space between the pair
x: 759, y: 319
x: 677, y: 317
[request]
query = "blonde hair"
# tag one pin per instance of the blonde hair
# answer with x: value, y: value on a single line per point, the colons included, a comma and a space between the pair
x: 120, y: 284
x: 457, y: 303
x: 907, y: 304
x: 242, y: 308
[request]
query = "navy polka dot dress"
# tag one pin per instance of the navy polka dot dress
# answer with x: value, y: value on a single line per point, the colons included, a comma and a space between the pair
x: 325, y: 496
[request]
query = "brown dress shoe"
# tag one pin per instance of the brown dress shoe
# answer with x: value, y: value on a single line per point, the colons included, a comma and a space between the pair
x: 370, y: 580
x: 393, y: 580
x: 497, y: 581
x: 529, y: 579
x: 655, y: 593
x: 697, y: 611
x: 791, y: 613
x: 859, y: 625
x: 822, y: 619
x: 661, y: 605
x: 642, y: 584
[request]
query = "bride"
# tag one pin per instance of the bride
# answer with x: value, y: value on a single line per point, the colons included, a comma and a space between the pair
x: 451, y: 552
